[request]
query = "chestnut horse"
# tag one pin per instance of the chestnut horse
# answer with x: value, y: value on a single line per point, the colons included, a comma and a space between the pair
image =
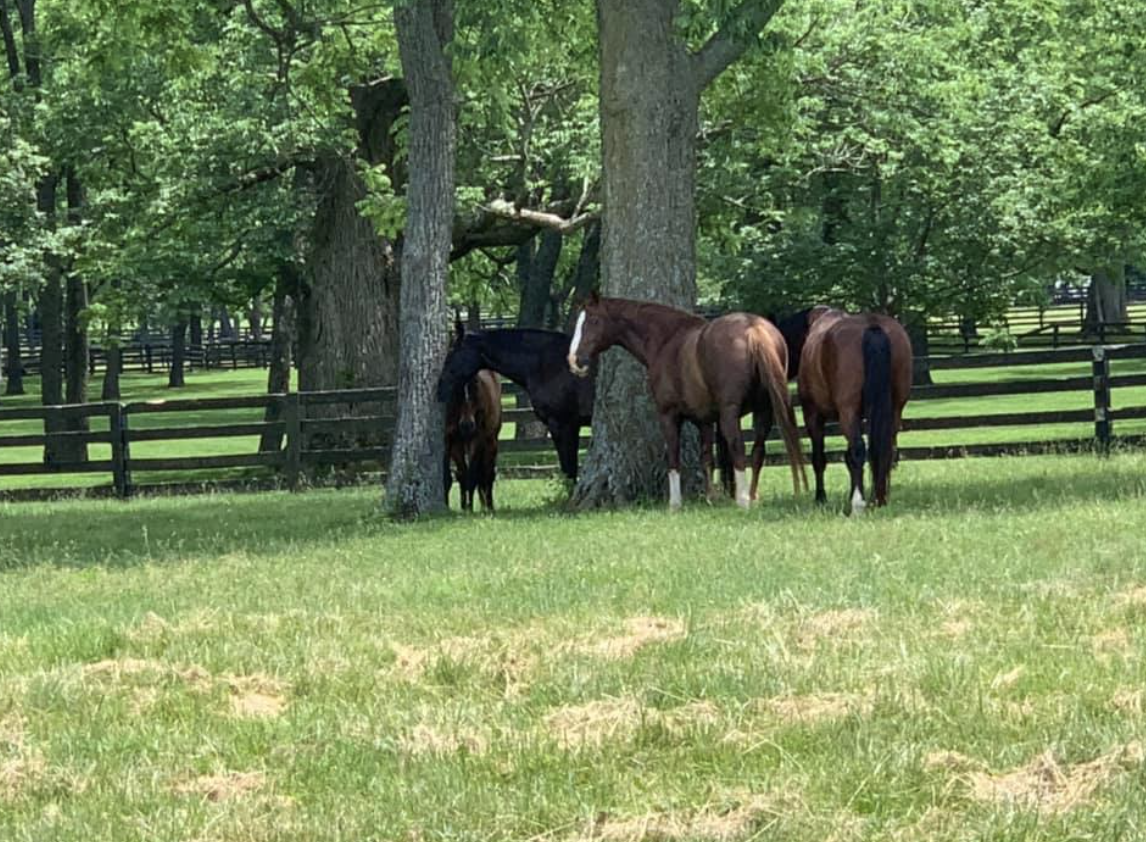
x: 852, y: 368
x: 473, y: 423
x: 701, y: 371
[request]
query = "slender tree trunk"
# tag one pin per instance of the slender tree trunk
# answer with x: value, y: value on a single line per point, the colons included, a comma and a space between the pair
x: 585, y: 279
x: 255, y: 318
x: 425, y: 30
x: 537, y: 280
x: 112, y: 370
x: 536, y: 265
x: 282, y: 338
x: 226, y: 326
x: 51, y: 313
x: 15, y: 362
x: 195, y: 329
x: 175, y: 379
x: 1106, y: 298
x: 77, y: 348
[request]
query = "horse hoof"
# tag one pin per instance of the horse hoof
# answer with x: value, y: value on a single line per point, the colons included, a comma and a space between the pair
x: 744, y: 503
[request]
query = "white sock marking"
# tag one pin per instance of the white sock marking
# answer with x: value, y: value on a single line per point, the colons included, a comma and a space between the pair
x: 858, y: 504
x: 576, y: 369
x: 742, y: 489
x: 674, y: 490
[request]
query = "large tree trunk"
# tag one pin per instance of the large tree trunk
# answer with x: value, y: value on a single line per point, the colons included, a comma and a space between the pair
x: 352, y: 301
x: 14, y: 369
x: 1106, y: 298
x: 175, y: 378
x: 282, y: 338
x: 649, y: 102
x: 425, y: 30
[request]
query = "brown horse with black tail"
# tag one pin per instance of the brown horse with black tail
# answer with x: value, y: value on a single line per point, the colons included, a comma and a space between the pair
x: 473, y: 424
x: 851, y: 369
x: 701, y: 371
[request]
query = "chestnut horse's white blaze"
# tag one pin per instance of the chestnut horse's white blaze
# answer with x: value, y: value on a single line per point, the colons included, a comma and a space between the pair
x: 742, y: 498
x: 674, y: 490
x: 575, y: 344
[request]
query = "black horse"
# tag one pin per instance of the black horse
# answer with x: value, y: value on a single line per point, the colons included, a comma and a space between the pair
x: 534, y: 360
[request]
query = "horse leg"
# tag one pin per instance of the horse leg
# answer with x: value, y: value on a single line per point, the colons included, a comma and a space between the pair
x: 707, y: 437
x: 670, y: 426
x: 730, y: 429
x: 815, y: 424
x: 762, y: 425
x: 852, y: 429
x: 566, y: 452
x: 489, y: 474
x: 447, y: 477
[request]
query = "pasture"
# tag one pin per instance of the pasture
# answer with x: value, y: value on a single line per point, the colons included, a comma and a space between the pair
x: 966, y: 664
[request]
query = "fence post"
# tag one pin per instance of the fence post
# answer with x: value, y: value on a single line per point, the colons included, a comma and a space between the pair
x: 120, y: 451
x: 292, y: 421
x: 1102, y: 419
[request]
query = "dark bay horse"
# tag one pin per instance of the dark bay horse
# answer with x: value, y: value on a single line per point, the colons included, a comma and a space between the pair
x: 473, y: 423
x: 851, y: 368
x: 701, y: 371
x: 534, y: 360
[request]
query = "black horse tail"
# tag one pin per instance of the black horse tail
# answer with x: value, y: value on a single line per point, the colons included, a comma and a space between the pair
x: 877, y: 405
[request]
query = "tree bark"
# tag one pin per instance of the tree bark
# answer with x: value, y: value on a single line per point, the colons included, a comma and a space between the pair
x: 255, y: 318
x: 425, y: 30
x: 76, y: 343
x: 15, y: 361
x: 1106, y: 298
x: 535, y: 278
x: 112, y: 369
x: 586, y: 276
x: 649, y: 116
x: 175, y: 378
x: 282, y: 338
x: 195, y: 329
x: 649, y: 101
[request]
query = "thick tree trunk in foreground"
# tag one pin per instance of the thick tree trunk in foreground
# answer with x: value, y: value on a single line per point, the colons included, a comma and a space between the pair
x: 425, y: 30
x: 15, y: 362
x: 649, y: 100
x: 1106, y: 298
x: 282, y: 338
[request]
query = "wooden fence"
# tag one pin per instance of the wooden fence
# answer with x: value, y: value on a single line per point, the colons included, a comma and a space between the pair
x: 351, y: 428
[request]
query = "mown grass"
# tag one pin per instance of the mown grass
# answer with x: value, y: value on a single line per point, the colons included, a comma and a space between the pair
x: 966, y: 664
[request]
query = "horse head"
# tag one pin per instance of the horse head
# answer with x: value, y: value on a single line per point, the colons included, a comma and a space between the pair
x: 593, y: 333
x: 462, y: 363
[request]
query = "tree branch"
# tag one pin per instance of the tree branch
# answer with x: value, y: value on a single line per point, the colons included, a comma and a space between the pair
x: 1056, y: 126
x: 541, y: 219
x: 733, y: 38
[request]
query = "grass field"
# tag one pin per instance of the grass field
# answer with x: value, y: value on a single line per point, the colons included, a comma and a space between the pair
x: 967, y: 664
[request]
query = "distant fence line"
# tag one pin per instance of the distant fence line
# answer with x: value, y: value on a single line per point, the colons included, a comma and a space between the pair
x: 312, y: 437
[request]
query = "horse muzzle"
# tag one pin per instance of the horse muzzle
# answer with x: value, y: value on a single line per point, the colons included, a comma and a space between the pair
x: 467, y: 428
x: 579, y: 365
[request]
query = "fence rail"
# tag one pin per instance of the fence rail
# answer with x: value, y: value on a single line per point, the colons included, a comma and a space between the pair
x: 352, y: 428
